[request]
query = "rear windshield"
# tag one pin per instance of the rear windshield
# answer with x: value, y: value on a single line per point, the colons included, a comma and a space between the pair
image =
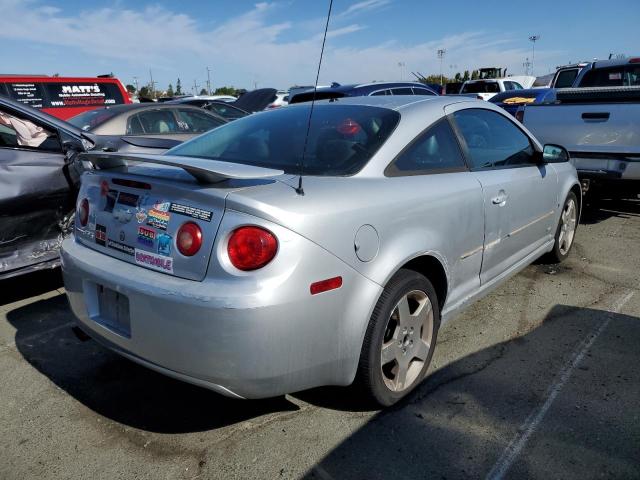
x: 65, y: 94
x: 91, y: 119
x: 481, y: 87
x: 342, y: 139
x: 565, y: 78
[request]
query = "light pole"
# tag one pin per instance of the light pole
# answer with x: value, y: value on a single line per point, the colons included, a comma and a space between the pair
x: 153, y: 85
x: 401, y: 65
x: 208, y: 81
x: 441, y: 53
x: 526, y: 64
x: 533, y: 39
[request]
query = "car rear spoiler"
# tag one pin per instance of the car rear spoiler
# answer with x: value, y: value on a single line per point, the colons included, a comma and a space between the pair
x: 204, y: 170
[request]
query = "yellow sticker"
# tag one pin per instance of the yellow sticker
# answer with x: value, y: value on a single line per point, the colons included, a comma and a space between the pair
x: 519, y: 100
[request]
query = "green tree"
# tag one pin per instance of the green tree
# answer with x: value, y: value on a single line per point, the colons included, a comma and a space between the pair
x: 144, y: 92
x: 475, y: 74
x: 458, y: 77
x: 466, y: 76
x: 170, y: 91
x: 130, y: 88
x: 226, y: 91
x: 203, y: 91
x: 178, y: 88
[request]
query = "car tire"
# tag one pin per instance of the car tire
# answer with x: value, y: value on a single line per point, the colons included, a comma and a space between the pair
x: 566, y: 230
x: 404, y: 325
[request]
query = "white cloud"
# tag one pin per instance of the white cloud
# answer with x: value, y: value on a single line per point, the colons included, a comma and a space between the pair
x: 243, y: 49
x: 363, y: 6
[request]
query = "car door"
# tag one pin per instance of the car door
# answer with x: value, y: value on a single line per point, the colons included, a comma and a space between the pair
x: 434, y: 164
x: 36, y: 197
x: 520, y: 194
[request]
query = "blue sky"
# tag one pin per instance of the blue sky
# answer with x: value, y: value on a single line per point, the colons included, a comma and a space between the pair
x: 277, y: 43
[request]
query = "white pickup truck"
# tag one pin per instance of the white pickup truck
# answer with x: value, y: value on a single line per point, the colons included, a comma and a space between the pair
x: 600, y: 127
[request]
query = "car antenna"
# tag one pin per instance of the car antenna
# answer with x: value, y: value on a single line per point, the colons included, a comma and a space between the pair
x: 299, y: 190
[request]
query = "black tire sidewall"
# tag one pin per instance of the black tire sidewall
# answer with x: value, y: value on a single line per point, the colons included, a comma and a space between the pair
x: 402, y: 283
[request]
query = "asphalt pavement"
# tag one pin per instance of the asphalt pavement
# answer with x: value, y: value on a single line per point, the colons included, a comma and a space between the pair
x: 539, y: 380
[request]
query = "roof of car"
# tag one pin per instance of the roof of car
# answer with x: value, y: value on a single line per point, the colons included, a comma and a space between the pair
x: 141, y: 106
x: 393, y: 102
x: 614, y: 62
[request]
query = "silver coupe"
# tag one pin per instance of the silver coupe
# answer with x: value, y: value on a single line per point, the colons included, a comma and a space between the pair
x: 313, y: 245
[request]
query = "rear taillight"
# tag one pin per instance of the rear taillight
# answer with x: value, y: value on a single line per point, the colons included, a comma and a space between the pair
x: 189, y: 239
x: 83, y: 212
x: 251, y: 248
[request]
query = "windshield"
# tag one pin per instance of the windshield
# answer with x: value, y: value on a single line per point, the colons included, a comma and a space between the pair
x: 481, y: 87
x: 89, y: 120
x: 342, y: 139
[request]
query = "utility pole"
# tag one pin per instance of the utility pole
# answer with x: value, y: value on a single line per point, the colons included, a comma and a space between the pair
x: 533, y: 39
x: 526, y: 64
x: 153, y: 85
x: 208, y: 81
x: 135, y: 80
x: 441, y: 53
x: 195, y: 87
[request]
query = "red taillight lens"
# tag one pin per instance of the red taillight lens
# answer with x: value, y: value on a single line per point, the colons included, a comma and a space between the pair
x: 251, y: 248
x: 83, y: 212
x: 189, y: 239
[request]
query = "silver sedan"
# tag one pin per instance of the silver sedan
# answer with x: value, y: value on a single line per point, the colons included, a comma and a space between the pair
x: 282, y: 252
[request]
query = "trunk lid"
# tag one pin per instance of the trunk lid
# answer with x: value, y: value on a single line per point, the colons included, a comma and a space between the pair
x: 136, y: 212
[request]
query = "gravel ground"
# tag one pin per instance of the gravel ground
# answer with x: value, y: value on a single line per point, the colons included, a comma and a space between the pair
x: 538, y: 380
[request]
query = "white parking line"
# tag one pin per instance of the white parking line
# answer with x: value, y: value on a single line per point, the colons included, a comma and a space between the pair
x: 510, y: 454
x: 35, y: 336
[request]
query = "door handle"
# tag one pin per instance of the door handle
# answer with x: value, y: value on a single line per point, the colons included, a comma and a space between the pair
x: 501, y: 199
x: 596, y: 115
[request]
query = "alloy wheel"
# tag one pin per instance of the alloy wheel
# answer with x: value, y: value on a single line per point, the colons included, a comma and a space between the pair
x: 407, y: 341
x: 568, y: 227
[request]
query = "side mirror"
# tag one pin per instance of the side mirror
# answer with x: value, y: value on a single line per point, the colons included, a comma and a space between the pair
x: 554, y: 154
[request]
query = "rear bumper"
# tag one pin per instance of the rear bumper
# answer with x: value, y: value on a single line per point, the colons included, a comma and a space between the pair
x: 253, y: 341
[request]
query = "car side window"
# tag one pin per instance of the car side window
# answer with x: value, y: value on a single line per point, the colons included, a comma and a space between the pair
x: 19, y: 132
x: 402, y: 91
x: 422, y: 91
x: 153, y: 122
x: 381, y: 93
x: 196, y: 122
x: 492, y: 140
x: 434, y: 151
x: 508, y: 86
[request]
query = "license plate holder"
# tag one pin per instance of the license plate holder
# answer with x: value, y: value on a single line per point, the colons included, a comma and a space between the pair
x: 113, y: 311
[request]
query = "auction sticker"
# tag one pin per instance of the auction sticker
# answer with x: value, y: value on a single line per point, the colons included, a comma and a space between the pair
x: 154, y: 261
x: 192, y: 212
